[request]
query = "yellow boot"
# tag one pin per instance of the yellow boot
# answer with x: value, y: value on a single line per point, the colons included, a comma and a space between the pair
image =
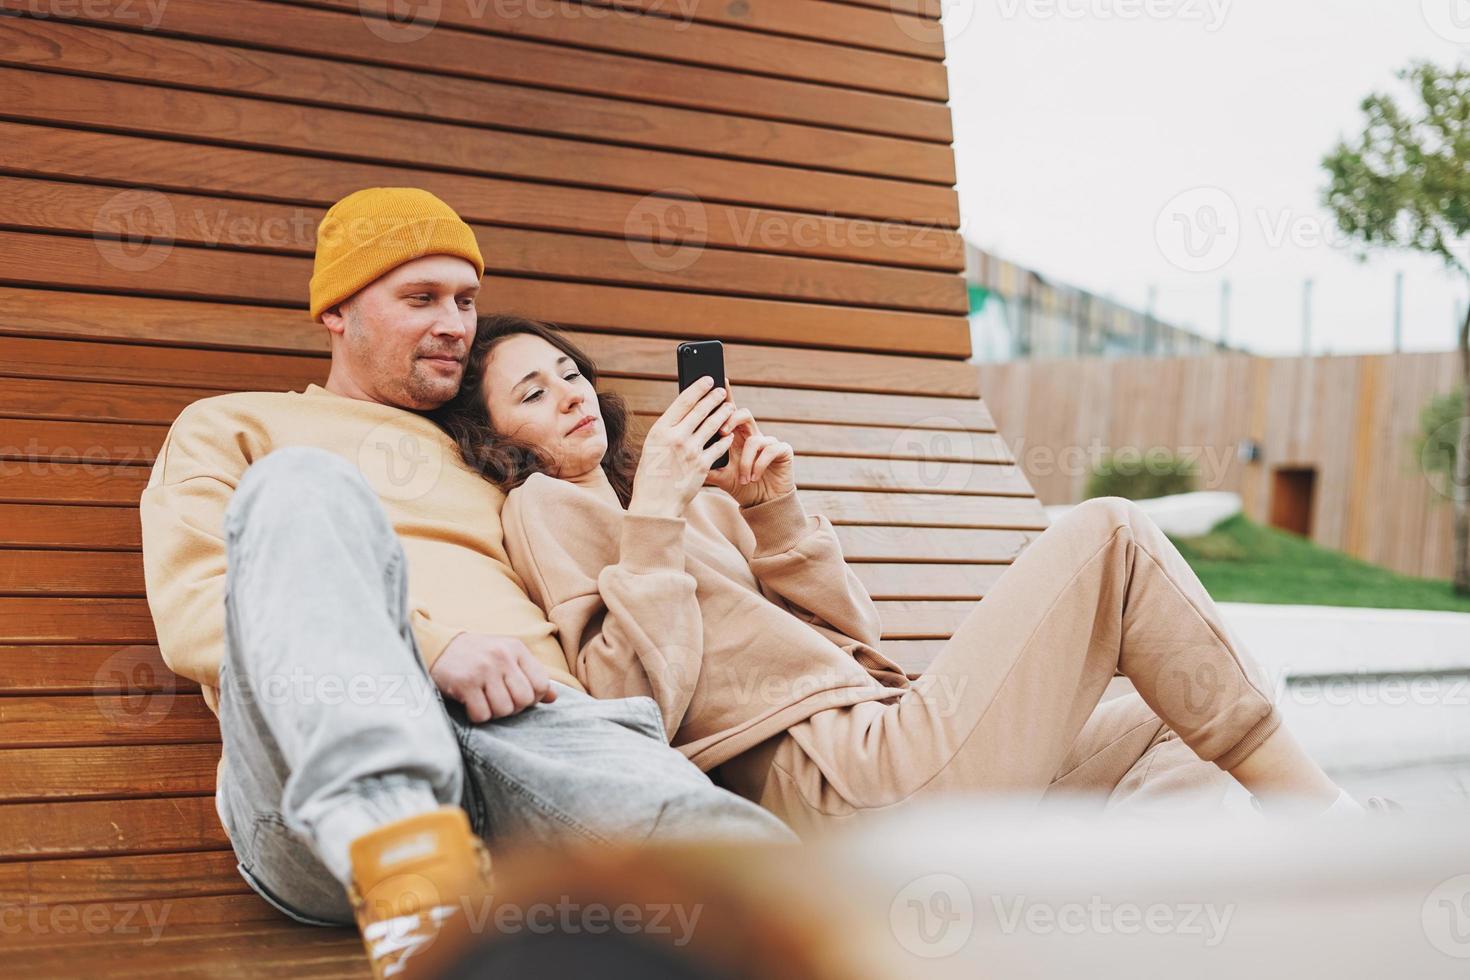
x: 417, y: 885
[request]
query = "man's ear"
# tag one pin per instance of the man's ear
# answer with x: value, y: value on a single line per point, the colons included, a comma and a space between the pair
x: 334, y: 320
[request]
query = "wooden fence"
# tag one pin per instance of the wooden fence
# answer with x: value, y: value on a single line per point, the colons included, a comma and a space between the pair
x: 1334, y: 434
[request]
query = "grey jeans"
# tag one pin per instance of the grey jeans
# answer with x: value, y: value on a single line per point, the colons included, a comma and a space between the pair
x: 332, y: 726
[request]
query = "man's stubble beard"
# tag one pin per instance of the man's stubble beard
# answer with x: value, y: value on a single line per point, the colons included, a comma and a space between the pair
x: 430, y: 390
x: 419, y: 389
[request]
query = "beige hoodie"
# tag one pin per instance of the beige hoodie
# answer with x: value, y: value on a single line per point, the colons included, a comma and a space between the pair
x: 739, y: 622
x: 444, y: 514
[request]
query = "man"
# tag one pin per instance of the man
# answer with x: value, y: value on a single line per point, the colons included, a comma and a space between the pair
x: 327, y: 568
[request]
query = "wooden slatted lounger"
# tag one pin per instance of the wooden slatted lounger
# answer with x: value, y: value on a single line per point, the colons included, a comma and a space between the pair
x: 160, y: 181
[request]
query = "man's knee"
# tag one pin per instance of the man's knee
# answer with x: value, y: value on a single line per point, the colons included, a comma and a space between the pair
x: 708, y: 812
x: 298, y: 483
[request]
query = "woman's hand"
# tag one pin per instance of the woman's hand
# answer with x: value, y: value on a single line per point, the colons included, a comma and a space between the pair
x: 675, y: 464
x: 761, y: 467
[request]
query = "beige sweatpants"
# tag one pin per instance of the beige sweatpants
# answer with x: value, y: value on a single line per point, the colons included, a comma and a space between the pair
x: 1011, y: 704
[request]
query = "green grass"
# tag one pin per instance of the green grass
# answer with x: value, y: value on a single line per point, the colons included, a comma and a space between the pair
x: 1240, y: 561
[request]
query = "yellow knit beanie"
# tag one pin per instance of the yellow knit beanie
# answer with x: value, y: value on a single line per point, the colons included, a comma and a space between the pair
x: 375, y: 230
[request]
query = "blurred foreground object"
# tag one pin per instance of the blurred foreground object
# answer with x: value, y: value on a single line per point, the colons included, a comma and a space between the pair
x: 986, y: 889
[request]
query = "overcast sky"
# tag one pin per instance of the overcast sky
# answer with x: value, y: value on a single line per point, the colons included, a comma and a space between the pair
x: 1090, y: 144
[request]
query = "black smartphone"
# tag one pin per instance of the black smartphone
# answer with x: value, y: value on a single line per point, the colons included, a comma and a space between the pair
x: 698, y: 358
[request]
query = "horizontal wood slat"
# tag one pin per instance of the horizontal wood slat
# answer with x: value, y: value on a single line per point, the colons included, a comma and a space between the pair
x: 920, y: 8
x: 84, y: 360
x: 317, y: 79
x: 822, y: 21
x: 104, y: 719
x: 91, y: 527
x: 115, y: 924
x: 929, y: 510
x: 232, y: 120
x: 137, y: 669
x: 246, y: 952
x: 898, y: 580
x: 77, y: 400
x: 53, y: 620
x: 136, y: 878
x: 42, y: 398
x: 108, y: 771
x: 301, y: 30
x: 120, y: 574
x: 77, y: 442
x: 66, y: 573
x: 69, y: 482
x: 923, y: 618
x: 48, y: 830
x: 668, y: 39
x: 119, y: 159
x: 946, y: 386
x: 104, y: 668
x: 87, y: 443
x: 914, y: 656
x: 280, y: 231
x: 66, y: 262
x: 63, y: 526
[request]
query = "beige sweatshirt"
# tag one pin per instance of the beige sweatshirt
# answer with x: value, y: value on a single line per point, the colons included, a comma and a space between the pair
x: 445, y: 514
x: 738, y: 622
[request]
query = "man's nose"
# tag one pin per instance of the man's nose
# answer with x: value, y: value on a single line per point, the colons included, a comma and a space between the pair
x: 449, y: 323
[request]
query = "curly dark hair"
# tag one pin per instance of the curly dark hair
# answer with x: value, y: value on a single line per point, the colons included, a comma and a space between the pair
x: 506, y: 462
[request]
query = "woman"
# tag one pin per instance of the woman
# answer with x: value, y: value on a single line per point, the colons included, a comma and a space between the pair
x: 717, y: 595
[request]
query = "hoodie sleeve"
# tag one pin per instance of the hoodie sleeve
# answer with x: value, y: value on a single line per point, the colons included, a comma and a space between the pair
x: 798, y: 557
x: 182, y: 515
x: 182, y: 510
x: 616, y: 589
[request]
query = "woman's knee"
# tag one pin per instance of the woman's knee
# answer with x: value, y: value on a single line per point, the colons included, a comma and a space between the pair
x: 1104, y: 515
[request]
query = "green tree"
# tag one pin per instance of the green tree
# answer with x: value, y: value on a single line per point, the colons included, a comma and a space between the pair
x: 1405, y: 184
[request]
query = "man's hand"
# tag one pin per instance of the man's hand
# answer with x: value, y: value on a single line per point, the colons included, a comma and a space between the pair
x: 492, y: 676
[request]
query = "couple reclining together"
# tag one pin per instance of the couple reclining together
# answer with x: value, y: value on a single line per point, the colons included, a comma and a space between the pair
x: 441, y: 599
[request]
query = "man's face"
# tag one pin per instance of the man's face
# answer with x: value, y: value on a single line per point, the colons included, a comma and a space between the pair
x: 402, y: 340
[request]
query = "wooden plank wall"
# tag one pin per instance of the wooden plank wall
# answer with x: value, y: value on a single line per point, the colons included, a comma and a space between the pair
x: 1352, y: 418
x: 775, y: 173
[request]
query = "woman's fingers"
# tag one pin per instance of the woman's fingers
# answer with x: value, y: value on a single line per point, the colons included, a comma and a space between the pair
x: 714, y: 423
x: 742, y: 417
x: 700, y: 411
x: 685, y: 400
x: 748, y: 453
x: 768, y: 455
x: 715, y: 451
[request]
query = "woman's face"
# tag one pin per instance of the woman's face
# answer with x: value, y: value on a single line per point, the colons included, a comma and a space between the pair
x: 535, y: 395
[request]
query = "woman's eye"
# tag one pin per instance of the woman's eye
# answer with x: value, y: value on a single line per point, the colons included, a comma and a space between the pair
x: 532, y: 396
x: 574, y: 374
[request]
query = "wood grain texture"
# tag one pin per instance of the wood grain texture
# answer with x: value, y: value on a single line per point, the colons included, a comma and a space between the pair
x: 223, y: 227
x: 320, y: 78
x: 669, y: 39
x: 35, y: 315
x: 316, y: 182
x: 775, y: 174
x: 112, y: 265
x: 160, y: 111
x: 108, y: 772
